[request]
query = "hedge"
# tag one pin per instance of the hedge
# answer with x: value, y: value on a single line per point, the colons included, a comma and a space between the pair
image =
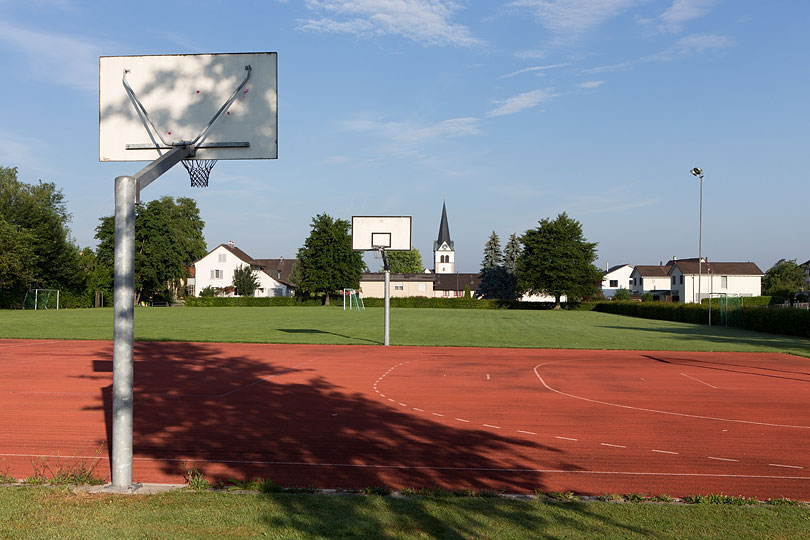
x: 792, y: 322
x: 408, y: 302
x: 250, y: 301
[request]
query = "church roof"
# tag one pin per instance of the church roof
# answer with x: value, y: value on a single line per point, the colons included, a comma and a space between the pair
x: 444, y: 231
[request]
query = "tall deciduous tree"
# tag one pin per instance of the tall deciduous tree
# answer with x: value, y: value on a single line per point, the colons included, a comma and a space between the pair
x: 784, y: 278
x: 326, y: 262
x: 405, y: 262
x: 168, y: 239
x: 245, y: 281
x: 36, y: 232
x: 557, y: 260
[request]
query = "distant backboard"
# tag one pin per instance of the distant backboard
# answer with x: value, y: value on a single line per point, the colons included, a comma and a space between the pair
x: 181, y: 94
x: 393, y: 233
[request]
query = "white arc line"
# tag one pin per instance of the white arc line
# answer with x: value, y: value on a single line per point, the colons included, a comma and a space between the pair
x: 417, y: 409
x: 572, y: 396
x: 436, y: 414
x: 490, y: 425
x: 527, y: 432
x: 723, y: 458
x: 698, y: 380
x: 462, y: 420
x: 785, y: 466
x: 666, y: 452
x: 612, y: 445
x: 566, y: 438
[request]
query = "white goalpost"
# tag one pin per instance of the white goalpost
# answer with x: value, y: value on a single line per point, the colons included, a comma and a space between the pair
x: 41, y: 299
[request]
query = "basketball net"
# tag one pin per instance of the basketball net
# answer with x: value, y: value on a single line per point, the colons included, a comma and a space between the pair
x: 198, y: 170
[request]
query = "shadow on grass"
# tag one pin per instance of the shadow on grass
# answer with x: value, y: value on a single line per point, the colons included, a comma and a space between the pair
x: 317, y: 331
x: 456, y: 519
x: 721, y: 335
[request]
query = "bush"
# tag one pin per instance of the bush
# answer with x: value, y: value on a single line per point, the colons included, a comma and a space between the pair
x: 251, y: 301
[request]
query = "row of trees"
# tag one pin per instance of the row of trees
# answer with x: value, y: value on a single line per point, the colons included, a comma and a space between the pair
x: 555, y: 260
x: 36, y: 250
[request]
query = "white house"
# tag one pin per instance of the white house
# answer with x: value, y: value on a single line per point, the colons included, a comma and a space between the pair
x: 616, y: 277
x: 217, y: 267
x: 653, y: 279
x: 402, y: 285
x: 691, y: 280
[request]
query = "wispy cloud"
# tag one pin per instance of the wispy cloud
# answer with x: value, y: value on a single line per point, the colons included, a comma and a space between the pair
x: 535, y: 69
x: 572, y: 18
x: 406, y: 138
x: 591, y: 84
x: 686, y: 46
x: 521, y: 102
x: 428, y: 22
x: 681, y: 12
x: 61, y: 58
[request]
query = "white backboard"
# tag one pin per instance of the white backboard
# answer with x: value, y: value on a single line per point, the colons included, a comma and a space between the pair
x: 181, y: 94
x: 373, y: 232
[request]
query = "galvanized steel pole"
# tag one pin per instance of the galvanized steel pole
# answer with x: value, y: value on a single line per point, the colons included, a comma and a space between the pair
x: 126, y: 188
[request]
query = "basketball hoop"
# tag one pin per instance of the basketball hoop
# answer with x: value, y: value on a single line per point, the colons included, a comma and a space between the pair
x: 198, y: 170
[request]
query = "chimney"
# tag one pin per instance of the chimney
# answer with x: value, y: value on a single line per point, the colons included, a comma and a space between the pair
x: 674, y: 258
x: 230, y: 244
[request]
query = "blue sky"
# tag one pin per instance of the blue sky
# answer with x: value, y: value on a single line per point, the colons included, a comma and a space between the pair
x: 510, y: 112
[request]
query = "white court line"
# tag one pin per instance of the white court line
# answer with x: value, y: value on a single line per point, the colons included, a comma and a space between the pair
x: 490, y: 425
x: 785, y: 466
x: 424, y: 467
x: 698, y: 380
x: 527, y: 432
x: 418, y: 409
x: 488, y: 377
x: 436, y: 414
x: 723, y: 459
x: 750, y: 422
x: 462, y: 420
x: 403, y: 404
x: 665, y: 452
x: 566, y: 438
x: 612, y: 445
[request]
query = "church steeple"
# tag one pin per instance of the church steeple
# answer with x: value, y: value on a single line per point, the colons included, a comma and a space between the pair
x: 443, y: 249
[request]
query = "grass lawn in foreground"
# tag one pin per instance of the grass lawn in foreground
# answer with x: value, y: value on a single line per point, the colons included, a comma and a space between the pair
x: 431, y: 327
x: 43, y: 513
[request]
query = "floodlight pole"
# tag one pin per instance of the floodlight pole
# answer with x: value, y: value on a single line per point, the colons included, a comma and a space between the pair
x: 387, y: 303
x: 697, y: 171
x: 127, y: 192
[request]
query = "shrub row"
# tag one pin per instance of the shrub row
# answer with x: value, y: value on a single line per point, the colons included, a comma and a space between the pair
x: 250, y: 301
x: 748, y: 301
x: 793, y: 322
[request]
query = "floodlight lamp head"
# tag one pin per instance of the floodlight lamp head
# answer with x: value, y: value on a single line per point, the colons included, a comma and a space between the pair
x: 697, y: 171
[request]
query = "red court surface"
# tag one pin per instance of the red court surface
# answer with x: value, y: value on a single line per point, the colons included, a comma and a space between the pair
x: 592, y: 422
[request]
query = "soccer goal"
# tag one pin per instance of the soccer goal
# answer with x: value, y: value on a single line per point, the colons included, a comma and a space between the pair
x: 351, y: 298
x: 41, y: 299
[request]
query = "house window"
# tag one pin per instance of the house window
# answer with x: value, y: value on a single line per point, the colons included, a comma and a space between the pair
x: 221, y: 257
x: 724, y: 282
x: 614, y: 282
x: 632, y: 282
x: 673, y: 280
x: 641, y: 282
x: 399, y: 287
x: 421, y: 287
x: 681, y: 279
x: 216, y: 274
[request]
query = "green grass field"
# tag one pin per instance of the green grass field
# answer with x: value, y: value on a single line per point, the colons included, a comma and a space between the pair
x: 439, y: 327
x: 41, y: 513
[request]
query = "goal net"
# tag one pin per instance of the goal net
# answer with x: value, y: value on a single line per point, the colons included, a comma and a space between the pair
x: 41, y: 299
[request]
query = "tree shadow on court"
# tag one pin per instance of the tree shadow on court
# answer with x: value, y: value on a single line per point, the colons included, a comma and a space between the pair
x: 243, y: 416
x: 246, y: 417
